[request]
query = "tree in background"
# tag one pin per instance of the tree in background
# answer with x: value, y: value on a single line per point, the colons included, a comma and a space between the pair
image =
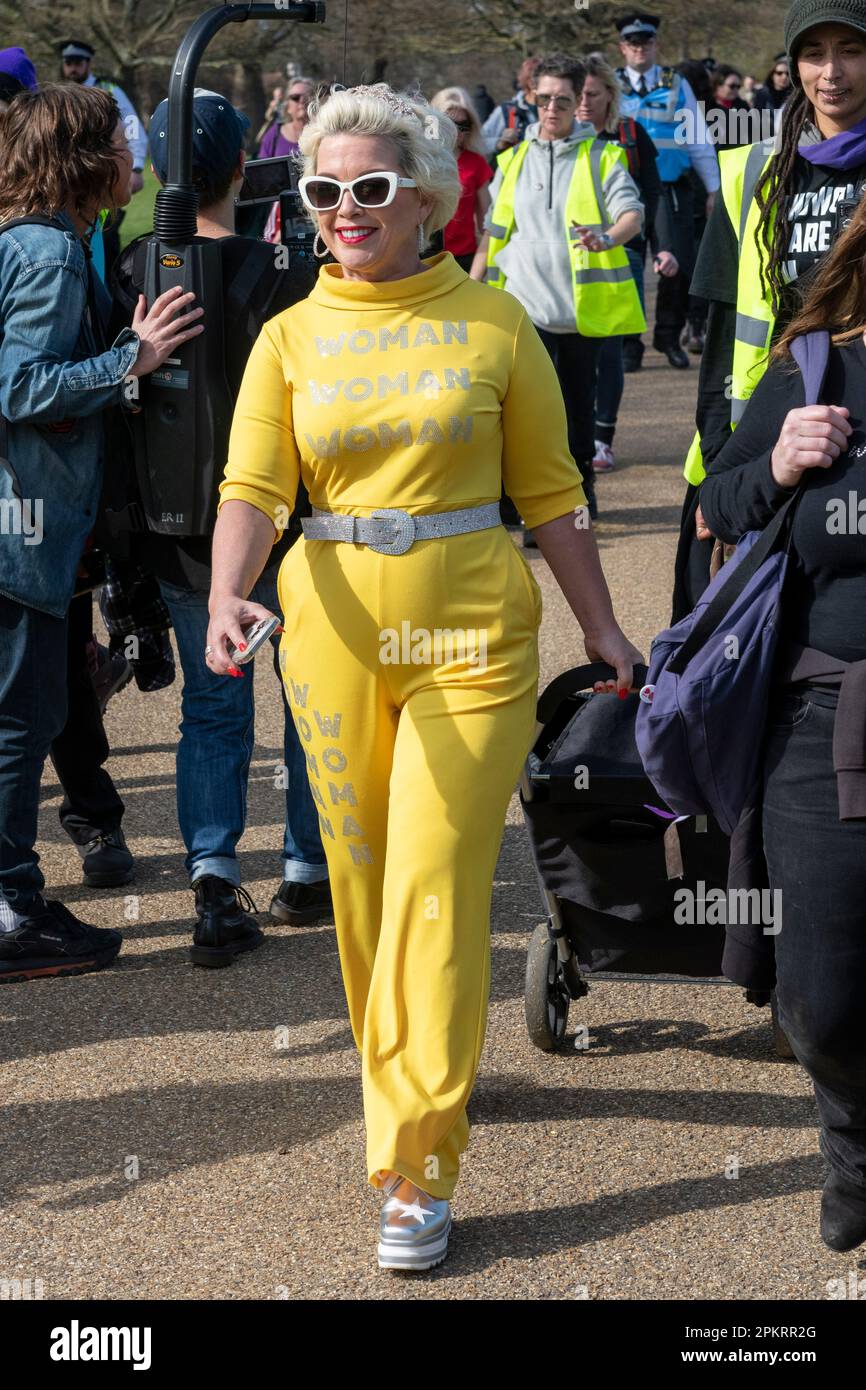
x: 412, y: 42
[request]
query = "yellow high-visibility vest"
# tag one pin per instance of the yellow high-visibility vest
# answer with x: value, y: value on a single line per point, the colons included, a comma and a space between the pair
x: 606, y: 301
x: 740, y: 171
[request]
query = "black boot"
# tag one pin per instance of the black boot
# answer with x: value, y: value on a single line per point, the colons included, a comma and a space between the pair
x: 107, y: 861
x: 299, y: 903
x: 674, y: 353
x: 843, y: 1213
x: 223, y: 929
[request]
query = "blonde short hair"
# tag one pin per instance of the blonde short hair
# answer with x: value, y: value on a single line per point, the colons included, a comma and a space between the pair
x: 597, y: 66
x: 451, y: 97
x: 424, y: 140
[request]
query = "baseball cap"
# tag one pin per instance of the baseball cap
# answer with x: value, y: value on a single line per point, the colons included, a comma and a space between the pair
x: 218, y: 132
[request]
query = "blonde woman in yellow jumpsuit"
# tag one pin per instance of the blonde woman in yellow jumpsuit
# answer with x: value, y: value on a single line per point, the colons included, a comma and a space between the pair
x: 410, y: 664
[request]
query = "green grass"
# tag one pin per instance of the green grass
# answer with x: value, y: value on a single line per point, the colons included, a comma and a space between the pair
x: 139, y: 214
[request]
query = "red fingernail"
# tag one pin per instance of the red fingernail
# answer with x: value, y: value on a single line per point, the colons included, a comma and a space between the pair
x: 233, y: 671
x: 242, y: 646
x: 622, y: 694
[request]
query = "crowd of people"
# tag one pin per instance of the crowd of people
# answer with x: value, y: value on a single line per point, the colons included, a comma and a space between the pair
x: 457, y: 361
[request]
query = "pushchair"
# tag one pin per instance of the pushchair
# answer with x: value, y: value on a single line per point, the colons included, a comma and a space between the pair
x: 612, y: 861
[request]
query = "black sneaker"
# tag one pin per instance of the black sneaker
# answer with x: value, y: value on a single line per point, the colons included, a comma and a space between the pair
x: 223, y: 929
x: 299, y: 903
x: 107, y: 861
x: 54, y: 942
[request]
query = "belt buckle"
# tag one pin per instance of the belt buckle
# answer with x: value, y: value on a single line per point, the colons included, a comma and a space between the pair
x: 404, y: 527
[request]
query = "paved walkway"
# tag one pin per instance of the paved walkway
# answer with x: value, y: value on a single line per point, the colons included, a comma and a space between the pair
x: 599, y: 1174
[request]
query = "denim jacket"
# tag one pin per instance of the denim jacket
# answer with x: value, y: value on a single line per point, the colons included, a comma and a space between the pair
x: 54, y: 383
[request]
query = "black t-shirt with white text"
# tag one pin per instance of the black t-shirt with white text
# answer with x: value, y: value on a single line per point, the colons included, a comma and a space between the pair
x: 814, y: 215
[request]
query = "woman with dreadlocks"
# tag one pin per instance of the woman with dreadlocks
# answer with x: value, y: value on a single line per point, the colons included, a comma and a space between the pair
x: 778, y: 216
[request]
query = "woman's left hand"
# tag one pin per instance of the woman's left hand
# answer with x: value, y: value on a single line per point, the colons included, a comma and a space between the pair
x: 614, y: 647
x: 590, y: 241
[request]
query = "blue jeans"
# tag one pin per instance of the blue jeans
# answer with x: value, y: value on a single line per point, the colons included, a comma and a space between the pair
x: 216, y: 748
x: 611, y: 378
x: 819, y: 863
x: 32, y: 714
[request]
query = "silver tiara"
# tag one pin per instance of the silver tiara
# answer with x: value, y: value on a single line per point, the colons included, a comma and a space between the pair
x: 382, y: 92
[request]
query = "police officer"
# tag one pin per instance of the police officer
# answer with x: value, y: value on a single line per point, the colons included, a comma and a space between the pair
x: 665, y: 104
x: 77, y: 58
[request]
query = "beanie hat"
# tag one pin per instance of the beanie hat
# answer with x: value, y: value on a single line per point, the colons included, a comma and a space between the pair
x: 805, y: 14
x: 15, y: 62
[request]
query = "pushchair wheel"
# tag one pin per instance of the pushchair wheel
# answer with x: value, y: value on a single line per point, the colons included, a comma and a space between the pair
x: 780, y: 1039
x: 546, y: 998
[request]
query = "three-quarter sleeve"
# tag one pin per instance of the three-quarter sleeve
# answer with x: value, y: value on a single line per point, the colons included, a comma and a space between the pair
x: 263, y: 464
x: 538, y: 471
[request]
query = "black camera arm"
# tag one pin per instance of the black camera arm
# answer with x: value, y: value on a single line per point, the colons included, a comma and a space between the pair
x: 177, y: 203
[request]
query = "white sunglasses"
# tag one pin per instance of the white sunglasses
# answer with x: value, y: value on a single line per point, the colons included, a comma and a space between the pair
x: 369, y: 191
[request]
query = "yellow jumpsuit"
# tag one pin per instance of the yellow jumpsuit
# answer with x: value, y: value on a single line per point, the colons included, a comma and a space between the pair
x: 424, y: 394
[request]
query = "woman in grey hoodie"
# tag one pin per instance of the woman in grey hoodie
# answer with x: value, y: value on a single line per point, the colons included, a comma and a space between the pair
x: 568, y: 271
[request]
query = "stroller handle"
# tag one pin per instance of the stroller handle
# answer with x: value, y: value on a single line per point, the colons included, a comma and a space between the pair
x: 579, y: 678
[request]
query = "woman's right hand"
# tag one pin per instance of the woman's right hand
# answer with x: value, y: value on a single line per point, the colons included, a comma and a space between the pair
x: 812, y: 437
x: 160, y: 332
x: 229, y: 615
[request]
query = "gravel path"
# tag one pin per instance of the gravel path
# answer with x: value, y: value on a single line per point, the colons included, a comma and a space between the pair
x: 235, y: 1095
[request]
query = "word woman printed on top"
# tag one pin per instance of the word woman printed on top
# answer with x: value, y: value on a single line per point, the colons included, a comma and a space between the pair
x: 447, y: 381
x: 326, y: 765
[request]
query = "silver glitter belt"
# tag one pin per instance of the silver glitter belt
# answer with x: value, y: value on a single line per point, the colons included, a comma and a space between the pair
x: 391, y: 531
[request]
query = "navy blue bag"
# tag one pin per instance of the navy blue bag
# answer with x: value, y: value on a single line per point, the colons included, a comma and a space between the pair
x: 700, y: 722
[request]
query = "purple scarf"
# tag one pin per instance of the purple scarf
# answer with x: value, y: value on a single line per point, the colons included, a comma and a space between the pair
x: 843, y: 151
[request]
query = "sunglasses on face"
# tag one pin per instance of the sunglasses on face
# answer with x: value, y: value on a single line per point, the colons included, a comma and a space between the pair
x: 298, y: 96
x: 780, y: 72
x: 465, y: 126
x: 368, y: 191
x: 560, y: 103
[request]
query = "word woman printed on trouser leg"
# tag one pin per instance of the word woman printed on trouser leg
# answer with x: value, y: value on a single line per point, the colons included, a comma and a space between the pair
x: 335, y: 821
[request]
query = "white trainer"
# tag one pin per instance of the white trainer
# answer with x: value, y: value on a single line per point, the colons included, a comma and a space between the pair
x: 604, y: 461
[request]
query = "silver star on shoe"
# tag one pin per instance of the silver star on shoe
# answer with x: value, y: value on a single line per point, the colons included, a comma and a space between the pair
x: 406, y: 1240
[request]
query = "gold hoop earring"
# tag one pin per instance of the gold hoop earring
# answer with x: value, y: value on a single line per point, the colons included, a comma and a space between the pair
x: 319, y: 254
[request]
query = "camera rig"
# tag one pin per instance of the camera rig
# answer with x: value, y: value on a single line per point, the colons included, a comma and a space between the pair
x: 187, y: 404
